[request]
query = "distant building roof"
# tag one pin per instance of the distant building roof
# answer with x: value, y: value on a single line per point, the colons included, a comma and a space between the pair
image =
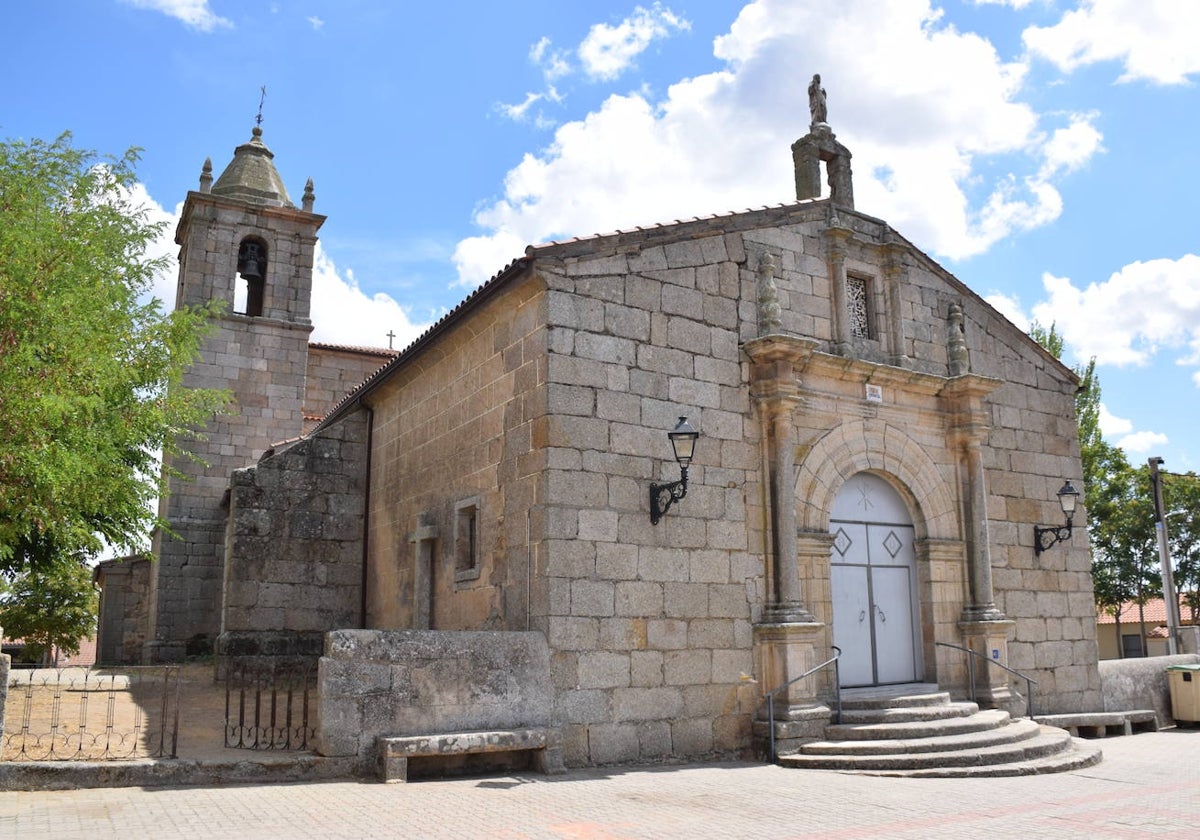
x: 1154, y: 611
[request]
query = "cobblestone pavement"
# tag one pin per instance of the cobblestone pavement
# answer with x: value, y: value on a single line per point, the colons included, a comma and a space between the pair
x: 1148, y: 786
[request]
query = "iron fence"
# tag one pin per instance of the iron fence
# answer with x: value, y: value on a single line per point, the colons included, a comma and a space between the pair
x: 77, y: 714
x: 269, y: 708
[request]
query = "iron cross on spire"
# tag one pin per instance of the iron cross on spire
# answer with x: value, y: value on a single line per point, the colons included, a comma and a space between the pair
x: 390, y: 336
x: 261, y: 99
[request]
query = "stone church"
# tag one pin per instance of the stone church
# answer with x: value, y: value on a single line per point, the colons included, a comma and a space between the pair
x: 876, y: 445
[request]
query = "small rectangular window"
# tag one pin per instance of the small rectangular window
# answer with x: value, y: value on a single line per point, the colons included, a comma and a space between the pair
x: 466, y: 540
x: 858, y: 304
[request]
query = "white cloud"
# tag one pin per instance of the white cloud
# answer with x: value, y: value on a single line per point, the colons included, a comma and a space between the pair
x: 194, y: 13
x: 553, y: 63
x: 1139, y: 443
x: 1155, y: 40
x: 608, y: 50
x: 315, y: 22
x: 1111, y: 425
x: 1142, y: 309
x: 1016, y: 4
x: 717, y: 142
x: 1071, y: 147
x: 1010, y: 308
x: 344, y: 314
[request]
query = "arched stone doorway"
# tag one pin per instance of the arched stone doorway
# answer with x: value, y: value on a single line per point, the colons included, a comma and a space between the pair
x: 874, y: 582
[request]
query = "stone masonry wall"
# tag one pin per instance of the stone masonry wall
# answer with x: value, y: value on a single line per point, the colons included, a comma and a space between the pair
x: 455, y: 427
x: 332, y: 373
x: 295, y: 537
x: 263, y: 363
x: 650, y: 625
x: 124, y: 610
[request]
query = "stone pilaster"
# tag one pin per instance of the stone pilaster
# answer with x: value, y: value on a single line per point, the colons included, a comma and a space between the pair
x: 893, y: 280
x: 836, y: 238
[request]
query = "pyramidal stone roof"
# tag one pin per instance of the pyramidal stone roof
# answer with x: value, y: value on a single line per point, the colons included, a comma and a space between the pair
x: 251, y: 175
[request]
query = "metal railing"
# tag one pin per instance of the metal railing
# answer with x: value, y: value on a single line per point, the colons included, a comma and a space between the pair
x: 269, y: 709
x: 1030, y: 682
x: 837, y: 695
x: 77, y: 714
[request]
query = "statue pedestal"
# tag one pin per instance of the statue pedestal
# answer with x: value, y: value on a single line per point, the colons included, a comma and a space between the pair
x: 783, y: 651
x: 992, y: 685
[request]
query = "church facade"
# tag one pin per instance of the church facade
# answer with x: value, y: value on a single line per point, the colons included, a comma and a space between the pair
x: 876, y: 447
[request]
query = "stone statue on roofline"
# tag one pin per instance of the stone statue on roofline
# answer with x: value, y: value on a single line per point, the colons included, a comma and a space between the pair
x: 817, y: 104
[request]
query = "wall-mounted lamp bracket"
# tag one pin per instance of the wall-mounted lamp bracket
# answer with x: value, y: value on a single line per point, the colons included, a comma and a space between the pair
x: 1046, y: 536
x: 662, y: 496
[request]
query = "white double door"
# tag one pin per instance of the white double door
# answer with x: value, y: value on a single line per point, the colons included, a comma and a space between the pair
x: 873, y: 576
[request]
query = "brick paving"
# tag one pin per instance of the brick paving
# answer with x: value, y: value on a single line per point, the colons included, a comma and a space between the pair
x: 1148, y: 786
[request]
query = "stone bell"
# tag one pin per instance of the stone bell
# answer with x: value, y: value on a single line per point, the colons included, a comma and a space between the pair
x: 250, y: 261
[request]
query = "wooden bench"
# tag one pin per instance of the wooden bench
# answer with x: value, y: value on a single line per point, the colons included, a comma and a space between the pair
x: 396, y: 750
x: 1098, y: 724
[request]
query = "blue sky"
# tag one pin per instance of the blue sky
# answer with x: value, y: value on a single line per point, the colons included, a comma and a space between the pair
x: 1044, y: 151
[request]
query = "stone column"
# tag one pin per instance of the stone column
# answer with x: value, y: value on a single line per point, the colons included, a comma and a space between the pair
x: 788, y: 639
x: 984, y: 628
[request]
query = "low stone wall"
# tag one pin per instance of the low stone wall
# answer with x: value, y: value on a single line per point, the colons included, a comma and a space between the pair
x: 294, y: 549
x: 425, y: 682
x: 1140, y: 683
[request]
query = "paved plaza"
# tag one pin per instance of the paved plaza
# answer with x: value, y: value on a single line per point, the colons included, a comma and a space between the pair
x: 1148, y: 786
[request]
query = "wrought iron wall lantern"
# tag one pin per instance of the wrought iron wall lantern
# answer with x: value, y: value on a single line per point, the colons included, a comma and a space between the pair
x: 1045, y: 536
x: 662, y: 496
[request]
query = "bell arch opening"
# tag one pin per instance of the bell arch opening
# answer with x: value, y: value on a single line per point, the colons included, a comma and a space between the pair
x: 251, y: 281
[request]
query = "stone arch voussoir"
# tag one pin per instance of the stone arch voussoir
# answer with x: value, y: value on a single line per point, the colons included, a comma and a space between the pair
x: 883, y: 448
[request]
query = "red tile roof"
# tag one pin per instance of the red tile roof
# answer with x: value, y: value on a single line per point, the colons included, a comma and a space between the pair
x: 1154, y: 612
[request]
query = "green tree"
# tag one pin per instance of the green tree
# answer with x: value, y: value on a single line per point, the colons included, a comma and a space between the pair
x: 50, y: 606
x: 90, y: 370
x: 1120, y: 516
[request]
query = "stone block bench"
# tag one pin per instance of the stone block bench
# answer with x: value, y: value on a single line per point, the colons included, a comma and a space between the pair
x: 1098, y: 724
x: 395, y: 751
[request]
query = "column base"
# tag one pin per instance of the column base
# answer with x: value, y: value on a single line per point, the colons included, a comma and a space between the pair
x: 806, y: 725
x: 783, y: 651
x: 993, y: 687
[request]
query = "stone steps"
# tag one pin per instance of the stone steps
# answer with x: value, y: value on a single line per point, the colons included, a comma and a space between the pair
x: 907, y: 714
x: 984, y: 733
x: 1045, y: 743
x: 919, y: 731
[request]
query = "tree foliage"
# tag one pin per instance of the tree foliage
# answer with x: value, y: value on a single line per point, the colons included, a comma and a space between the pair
x: 90, y: 371
x: 50, y: 605
x: 1120, y: 508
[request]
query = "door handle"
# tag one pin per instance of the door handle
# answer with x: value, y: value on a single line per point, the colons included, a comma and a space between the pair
x: 862, y: 616
x: 882, y: 614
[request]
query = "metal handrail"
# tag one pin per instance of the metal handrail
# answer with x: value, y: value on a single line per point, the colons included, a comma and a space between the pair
x: 837, y: 694
x: 1030, y: 682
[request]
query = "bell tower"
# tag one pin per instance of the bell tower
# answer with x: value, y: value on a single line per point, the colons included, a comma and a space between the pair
x: 243, y: 243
